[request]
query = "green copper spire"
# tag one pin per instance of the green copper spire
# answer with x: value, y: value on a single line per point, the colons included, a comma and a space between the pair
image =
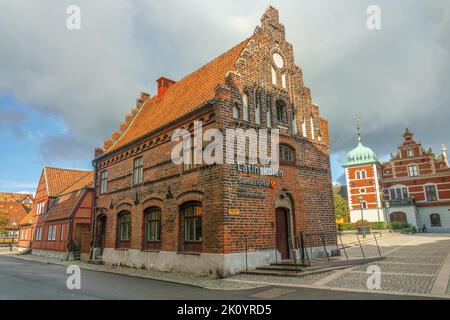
x: 361, y: 154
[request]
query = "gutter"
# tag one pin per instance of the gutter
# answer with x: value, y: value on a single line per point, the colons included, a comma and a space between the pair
x: 94, y: 205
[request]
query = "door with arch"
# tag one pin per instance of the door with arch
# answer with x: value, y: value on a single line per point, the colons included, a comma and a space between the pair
x: 101, y: 232
x: 282, y: 231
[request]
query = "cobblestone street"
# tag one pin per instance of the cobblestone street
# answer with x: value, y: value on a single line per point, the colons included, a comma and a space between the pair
x: 414, y: 265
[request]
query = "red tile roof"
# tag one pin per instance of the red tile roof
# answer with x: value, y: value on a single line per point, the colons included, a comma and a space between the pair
x: 59, y: 180
x: 63, y: 206
x: 14, y: 212
x: 181, y: 98
x: 28, y: 219
x: 14, y: 197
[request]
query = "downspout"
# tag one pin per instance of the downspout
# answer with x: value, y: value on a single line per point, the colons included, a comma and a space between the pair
x: 94, y: 164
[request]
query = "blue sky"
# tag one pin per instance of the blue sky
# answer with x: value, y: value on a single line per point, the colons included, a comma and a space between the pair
x: 23, y: 130
x: 63, y: 91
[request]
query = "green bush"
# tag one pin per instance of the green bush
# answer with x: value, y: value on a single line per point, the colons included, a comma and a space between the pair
x: 399, y: 225
x: 378, y: 225
x: 346, y: 226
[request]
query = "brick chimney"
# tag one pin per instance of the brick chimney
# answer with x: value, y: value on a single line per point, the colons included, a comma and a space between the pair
x: 163, y: 85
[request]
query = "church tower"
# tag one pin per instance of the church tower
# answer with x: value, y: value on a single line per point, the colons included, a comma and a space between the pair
x: 364, y: 182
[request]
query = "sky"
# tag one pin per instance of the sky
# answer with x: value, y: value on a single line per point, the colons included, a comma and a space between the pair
x: 63, y: 91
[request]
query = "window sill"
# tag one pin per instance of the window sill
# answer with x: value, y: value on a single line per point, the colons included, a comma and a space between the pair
x: 190, y: 253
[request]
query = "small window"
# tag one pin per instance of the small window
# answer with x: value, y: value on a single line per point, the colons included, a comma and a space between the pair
x: 431, y: 192
x: 435, y: 220
x: 413, y: 171
x: 124, y: 230
x: 410, y: 153
x: 104, y: 182
x: 274, y: 77
x: 138, y: 171
x: 363, y: 174
x: 362, y: 190
x: 281, y: 111
x: 358, y: 175
x: 283, y: 81
x: 188, y: 156
x: 287, y: 153
x: 257, y: 97
x: 235, y: 111
x: 364, y: 205
x: 54, y: 233
x: 245, y: 106
x: 152, y: 228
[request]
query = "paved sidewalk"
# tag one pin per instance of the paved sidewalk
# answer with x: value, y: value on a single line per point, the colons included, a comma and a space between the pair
x: 415, y: 265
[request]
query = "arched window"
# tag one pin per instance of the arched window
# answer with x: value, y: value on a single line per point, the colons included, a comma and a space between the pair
x: 281, y: 111
x: 235, y: 111
x: 124, y: 230
x: 269, y: 112
x: 357, y: 175
x: 274, y: 76
x: 435, y: 220
x: 245, y: 106
x: 191, y: 227
x: 257, y: 98
x: 363, y: 174
x: 364, y: 205
x: 152, y: 223
x: 287, y: 153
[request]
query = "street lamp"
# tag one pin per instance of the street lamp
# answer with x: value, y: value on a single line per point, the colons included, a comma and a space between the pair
x: 13, y: 236
x: 361, y: 202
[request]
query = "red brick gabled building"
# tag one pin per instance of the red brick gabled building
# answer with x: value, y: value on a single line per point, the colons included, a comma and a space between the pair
x: 206, y: 219
x: 412, y: 187
x: 61, y: 218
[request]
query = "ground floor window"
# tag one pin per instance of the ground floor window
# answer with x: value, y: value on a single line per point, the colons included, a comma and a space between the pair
x: 152, y: 232
x: 435, y: 220
x: 124, y: 230
x: 192, y: 227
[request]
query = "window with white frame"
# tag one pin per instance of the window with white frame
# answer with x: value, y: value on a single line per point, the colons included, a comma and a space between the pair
x: 358, y: 175
x: 54, y: 233
x: 413, y: 171
x: 138, y: 170
x: 363, y: 174
x: 104, y: 182
x: 398, y: 193
x: 40, y: 208
x: 235, y: 112
x: 410, y: 153
x: 431, y: 192
x: 49, y: 232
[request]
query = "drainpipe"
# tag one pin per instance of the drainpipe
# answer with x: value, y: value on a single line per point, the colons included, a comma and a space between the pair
x: 94, y: 205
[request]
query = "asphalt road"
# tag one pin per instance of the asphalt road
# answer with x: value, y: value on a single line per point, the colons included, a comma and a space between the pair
x: 21, y: 279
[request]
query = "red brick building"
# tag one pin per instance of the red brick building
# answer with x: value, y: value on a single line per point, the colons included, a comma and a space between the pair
x: 412, y: 187
x: 61, y: 219
x: 153, y: 213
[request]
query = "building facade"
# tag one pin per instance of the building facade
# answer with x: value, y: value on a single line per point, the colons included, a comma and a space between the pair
x: 59, y: 224
x: 412, y: 187
x: 13, y: 208
x: 211, y: 218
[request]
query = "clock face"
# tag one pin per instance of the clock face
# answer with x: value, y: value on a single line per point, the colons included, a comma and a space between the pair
x: 278, y: 60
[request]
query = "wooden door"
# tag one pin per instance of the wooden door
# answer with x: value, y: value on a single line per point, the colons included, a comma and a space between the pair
x: 282, y: 232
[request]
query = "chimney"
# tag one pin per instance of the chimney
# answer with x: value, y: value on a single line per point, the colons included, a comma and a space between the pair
x: 163, y: 85
x: 444, y: 154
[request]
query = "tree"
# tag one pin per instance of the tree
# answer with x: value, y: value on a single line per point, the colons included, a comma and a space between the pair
x: 340, y: 206
x: 4, y: 222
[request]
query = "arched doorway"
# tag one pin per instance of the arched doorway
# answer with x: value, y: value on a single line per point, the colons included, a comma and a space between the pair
x: 101, y: 232
x: 284, y: 222
x: 398, y: 217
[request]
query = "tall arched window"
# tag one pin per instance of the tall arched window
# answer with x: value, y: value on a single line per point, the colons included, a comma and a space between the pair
x: 435, y: 220
x: 357, y: 175
x: 257, y: 98
x: 191, y: 227
x: 124, y: 230
x: 363, y: 174
x: 269, y: 110
x: 281, y: 111
x: 235, y: 111
x: 245, y: 107
x: 152, y: 223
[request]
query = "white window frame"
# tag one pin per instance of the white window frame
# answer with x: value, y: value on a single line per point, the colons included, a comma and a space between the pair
x: 396, y: 188
x: 410, y: 153
x: 61, y: 236
x: 283, y: 80
x: 274, y: 76
x: 54, y: 233
x: 49, y: 233
x: 425, y: 191
x: 413, y: 170
x: 363, y: 174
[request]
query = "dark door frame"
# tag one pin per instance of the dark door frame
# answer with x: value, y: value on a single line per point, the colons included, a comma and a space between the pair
x: 282, y: 240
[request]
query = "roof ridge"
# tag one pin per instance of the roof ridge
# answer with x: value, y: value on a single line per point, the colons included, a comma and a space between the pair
x: 65, y: 169
x: 155, y: 101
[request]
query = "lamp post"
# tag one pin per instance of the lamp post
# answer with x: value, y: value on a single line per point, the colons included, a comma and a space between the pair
x: 361, y: 201
x: 388, y: 219
x: 13, y: 236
